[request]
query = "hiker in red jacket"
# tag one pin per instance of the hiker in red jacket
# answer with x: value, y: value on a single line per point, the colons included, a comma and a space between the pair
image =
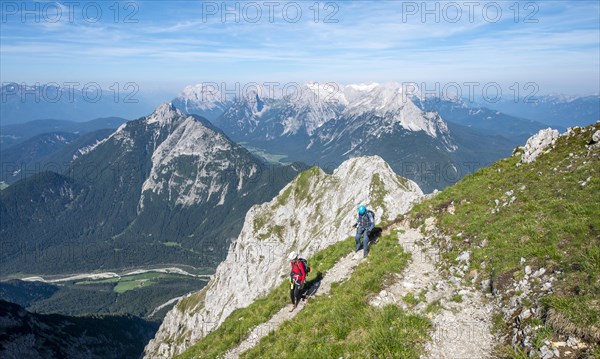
x: 297, y: 279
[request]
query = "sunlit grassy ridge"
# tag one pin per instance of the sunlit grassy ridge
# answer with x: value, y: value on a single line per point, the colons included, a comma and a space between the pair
x: 338, y: 324
x: 547, y: 212
x: 343, y: 324
x: 241, y: 321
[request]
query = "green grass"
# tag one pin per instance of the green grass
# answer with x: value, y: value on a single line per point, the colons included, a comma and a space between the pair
x: 542, y: 334
x: 434, y: 307
x: 343, y: 324
x: 131, y: 282
x: 378, y: 192
x: 272, y: 158
x: 239, y: 323
x: 283, y: 198
x: 260, y: 221
x: 303, y: 184
x: 410, y: 299
x: 273, y: 231
x: 554, y: 223
x: 192, y: 303
x: 457, y: 298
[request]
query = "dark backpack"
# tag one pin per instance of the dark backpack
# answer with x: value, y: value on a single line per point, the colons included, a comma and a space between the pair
x: 372, y: 215
x: 307, y: 269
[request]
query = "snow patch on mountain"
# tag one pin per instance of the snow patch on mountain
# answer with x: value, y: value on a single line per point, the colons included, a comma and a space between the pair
x: 257, y: 260
x: 314, y: 104
x: 389, y: 102
x: 87, y: 149
x: 201, y: 96
x: 363, y: 87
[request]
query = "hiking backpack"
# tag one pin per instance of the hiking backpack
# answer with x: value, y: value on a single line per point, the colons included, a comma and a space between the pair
x: 307, y: 269
x: 372, y: 215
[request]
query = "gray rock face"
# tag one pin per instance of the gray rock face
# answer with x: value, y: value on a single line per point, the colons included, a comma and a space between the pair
x: 309, y: 214
x: 537, y: 144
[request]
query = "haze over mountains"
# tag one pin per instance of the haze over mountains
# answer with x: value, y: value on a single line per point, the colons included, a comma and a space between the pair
x: 554, y: 110
x: 70, y: 102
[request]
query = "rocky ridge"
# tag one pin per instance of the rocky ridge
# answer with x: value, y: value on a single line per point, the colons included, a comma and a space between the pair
x: 312, y: 212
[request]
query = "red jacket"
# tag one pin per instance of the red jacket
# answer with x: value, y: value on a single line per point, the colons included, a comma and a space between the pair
x: 298, y: 272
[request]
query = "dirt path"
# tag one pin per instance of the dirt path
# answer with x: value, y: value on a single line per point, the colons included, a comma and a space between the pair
x: 462, y: 325
x: 338, y: 273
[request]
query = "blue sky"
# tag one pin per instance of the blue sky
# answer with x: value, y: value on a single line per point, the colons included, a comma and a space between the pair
x: 165, y: 45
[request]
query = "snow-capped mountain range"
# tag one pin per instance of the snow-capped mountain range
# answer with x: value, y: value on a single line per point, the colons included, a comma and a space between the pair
x: 202, y: 99
x: 311, y: 106
x: 328, y: 123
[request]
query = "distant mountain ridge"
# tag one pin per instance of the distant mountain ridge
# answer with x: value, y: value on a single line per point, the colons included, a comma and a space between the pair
x: 167, y: 188
x: 461, y: 112
x: 16, y: 133
x: 77, y: 102
x: 554, y: 110
x: 323, y: 124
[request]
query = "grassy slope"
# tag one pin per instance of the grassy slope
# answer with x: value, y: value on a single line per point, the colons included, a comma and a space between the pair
x: 554, y: 223
x: 239, y: 323
x: 344, y: 324
x: 334, y: 325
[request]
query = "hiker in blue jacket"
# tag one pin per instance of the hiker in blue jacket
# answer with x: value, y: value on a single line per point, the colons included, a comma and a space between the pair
x: 364, y: 225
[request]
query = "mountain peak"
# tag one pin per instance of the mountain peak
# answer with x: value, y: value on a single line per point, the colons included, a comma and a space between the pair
x: 257, y: 260
x: 202, y: 96
x: 363, y: 87
x: 165, y: 113
x: 390, y: 102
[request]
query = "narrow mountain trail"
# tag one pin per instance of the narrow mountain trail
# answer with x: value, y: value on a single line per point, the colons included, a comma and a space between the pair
x: 341, y: 271
x: 462, y: 324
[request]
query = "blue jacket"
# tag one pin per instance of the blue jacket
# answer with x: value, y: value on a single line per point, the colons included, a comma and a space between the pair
x: 365, y: 221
